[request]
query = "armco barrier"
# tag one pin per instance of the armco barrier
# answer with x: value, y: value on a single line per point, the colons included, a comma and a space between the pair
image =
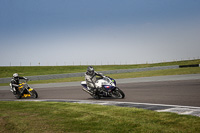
x: 193, y: 65
x: 58, y: 76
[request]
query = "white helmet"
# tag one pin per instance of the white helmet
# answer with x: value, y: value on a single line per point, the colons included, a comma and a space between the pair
x: 15, y: 75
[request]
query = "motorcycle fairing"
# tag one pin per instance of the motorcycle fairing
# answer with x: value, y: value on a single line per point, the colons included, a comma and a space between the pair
x: 108, y: 87
x: 113, y: 81
x: 26, y: 95
x: 30, y: 89
x: 83, y: 83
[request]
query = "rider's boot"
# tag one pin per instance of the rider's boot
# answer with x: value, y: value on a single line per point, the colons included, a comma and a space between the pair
x: 13, y: 90
x: 94, y: 91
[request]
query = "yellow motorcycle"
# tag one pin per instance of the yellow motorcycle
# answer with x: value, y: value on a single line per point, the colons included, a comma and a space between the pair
x: 24, y: 91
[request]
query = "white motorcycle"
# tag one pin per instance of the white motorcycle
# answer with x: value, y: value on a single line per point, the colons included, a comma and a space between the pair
x: 107, y: 88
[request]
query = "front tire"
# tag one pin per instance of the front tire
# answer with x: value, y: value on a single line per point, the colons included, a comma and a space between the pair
x: 117, y: 93
x: 34, y: 94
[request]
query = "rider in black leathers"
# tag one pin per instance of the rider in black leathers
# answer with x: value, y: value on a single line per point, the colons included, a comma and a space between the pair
x: 15, y: 83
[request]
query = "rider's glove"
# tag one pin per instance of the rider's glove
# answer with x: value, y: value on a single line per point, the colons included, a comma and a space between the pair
x: 16, y: 85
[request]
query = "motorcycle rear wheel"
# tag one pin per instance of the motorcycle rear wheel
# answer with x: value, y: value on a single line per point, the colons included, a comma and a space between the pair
x: 118, y: 93
x: 18, y: 95
x: 96, y: 97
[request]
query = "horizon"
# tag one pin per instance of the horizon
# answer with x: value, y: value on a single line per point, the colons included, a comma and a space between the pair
x: 97, y: 32
x: 102, y: 64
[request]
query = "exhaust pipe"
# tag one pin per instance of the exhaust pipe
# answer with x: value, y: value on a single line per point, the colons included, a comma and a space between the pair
x: 88, y: 91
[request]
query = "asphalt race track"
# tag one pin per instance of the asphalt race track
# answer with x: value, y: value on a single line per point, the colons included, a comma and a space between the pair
x: 185, y: 93
x: 167, y: 92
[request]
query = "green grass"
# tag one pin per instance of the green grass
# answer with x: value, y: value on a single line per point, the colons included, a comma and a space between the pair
x: 73, y: 117
x: 179, y: 71
x: 46, y: 70
x: 129, y: 75
x: 76, y: 69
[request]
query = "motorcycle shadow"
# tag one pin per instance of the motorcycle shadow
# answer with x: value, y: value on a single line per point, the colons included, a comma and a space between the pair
x: 104, y: 98
x: 26, y: 98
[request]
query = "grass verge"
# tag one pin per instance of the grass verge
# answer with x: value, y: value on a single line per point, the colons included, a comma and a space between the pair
x: 46, y: 70
x: 179, y: 71
x: 73, y: 117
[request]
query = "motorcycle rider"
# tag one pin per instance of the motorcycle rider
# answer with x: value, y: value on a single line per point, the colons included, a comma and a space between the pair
x: 90, y: 78
x: 15, y: 82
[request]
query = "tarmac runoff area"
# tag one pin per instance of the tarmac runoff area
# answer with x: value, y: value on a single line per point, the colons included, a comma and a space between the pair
x: 182, y: 110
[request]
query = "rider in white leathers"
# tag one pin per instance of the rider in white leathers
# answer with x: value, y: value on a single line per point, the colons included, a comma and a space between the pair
x: 90, y: 78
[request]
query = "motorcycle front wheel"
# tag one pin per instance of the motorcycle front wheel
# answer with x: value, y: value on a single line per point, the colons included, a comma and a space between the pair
x: 117, y: 93
x: 34, y: 94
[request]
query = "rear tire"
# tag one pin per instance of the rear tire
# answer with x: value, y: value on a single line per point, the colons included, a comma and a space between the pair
x: 18, y: 95
x: 96, y: 94
x: 118, y: 93
x: 96, y: 97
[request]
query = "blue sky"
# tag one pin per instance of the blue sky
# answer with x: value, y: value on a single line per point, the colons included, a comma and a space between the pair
x: 89, y: 32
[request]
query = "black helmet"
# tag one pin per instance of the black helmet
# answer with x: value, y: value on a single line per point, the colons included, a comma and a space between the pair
x: 90, y: 70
